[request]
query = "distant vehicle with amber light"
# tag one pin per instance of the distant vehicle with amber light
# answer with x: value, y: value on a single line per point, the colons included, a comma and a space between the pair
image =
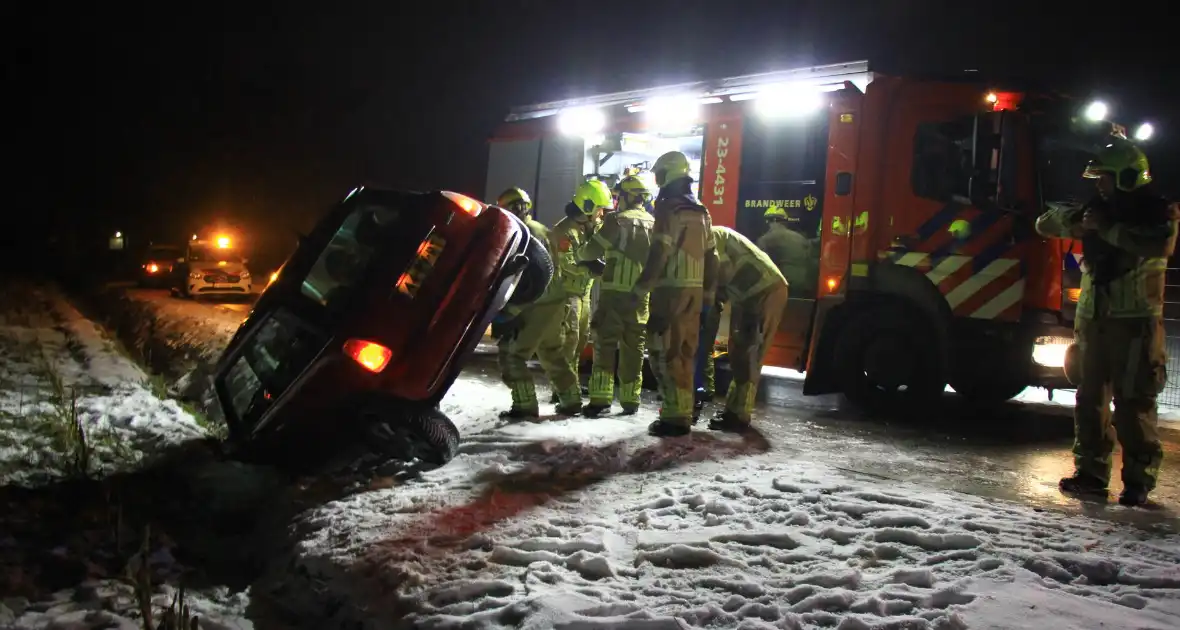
x: 362, y: 331
x: 212, y: 266
x: 157, y: 267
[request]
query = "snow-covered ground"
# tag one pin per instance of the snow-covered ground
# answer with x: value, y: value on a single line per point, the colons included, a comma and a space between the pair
x: 59, y: 373
x: 583, y: 524
x: 591, y: 524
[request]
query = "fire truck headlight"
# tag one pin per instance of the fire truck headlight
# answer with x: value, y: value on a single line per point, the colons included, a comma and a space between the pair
x: 1144, y: 132
x: 1050, y: 351
x: 581, y: 121
x: 788, y: 101
x: 1096, y: 111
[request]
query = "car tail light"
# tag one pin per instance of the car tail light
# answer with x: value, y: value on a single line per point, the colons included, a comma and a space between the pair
x: 469, y: 205
x: 371, y: 356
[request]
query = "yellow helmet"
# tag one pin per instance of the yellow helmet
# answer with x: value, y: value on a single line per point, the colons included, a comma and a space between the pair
x: 775, y: 213
x: 634, y: 191
x: 592, y: 195
x: 515, y: 200
x: 670, y: 167
x: 1124, y: 161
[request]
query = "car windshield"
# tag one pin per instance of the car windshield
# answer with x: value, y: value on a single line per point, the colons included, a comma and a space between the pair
x: 206, y: 253
x: 347, y: 256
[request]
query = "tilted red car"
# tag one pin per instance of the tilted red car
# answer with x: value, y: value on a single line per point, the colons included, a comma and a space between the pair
x: 368, y: 324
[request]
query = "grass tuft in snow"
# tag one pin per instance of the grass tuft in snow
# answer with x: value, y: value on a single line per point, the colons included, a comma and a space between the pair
x: 138, y: 575
x: 54, y: 435
x: 159, y: 387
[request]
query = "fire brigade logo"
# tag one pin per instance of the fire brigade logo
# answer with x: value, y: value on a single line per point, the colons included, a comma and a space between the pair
x: 809, y: 202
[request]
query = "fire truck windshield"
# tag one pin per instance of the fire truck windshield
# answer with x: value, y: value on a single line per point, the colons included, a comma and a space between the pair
x: 1064, y: 150
x: 1061, y: 169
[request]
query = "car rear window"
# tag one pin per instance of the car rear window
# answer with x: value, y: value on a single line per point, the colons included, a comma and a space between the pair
x: 345, y: 259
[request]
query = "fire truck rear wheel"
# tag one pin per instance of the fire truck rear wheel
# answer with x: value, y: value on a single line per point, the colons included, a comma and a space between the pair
x: 990, y: 391
x: 885, y: 360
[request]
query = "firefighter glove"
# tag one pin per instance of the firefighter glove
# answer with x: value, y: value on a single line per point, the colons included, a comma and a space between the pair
x: 595, y: 266
x: 505, y: 326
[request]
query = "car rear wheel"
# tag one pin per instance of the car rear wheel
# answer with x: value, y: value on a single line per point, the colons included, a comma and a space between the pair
x: 536, y: 274
x: 411, y: 433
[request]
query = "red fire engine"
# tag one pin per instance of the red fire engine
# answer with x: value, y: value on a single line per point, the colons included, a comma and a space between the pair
x: 918, y: 198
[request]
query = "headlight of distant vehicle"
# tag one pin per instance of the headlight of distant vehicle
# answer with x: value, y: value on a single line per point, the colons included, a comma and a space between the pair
x: 152, y: 267
x: 245, y: 275
x: 196, y: 275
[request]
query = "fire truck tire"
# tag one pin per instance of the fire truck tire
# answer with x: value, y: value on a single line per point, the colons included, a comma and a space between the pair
x: 886, y: 360
x: 989, y: 391
x: 536, y: 274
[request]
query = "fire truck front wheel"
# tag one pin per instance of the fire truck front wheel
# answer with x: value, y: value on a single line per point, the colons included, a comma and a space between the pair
x: 887, y: 361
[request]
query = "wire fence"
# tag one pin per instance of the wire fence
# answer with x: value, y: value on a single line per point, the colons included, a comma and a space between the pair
x: 1170, y: 397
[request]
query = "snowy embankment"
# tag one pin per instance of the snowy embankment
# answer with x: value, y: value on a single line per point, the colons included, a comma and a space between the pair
x: 78, y: 419
x: 582, y: 524
x: 180, y: 340
x: 62, y: 379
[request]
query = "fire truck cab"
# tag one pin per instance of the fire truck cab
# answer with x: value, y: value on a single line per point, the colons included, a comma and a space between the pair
x: 917, y: 197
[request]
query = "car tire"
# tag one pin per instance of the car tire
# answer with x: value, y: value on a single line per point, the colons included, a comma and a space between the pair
x: 412, y: 433
x: 537, y: 273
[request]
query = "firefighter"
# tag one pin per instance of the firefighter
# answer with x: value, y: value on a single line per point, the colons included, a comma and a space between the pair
x: 1127, y: 232
x: 518, y: 202
x: 705, y: 378
x: 790, y: 251
x: 756, y: 291
x: 595, y: 267
x: 679, y: 277
x: 619, y: 323
x: 569, y: 236
x: 520, y: 331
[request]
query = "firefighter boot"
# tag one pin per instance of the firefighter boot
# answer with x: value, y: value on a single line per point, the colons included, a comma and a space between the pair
x: 517, y: 413
x: 663, y: 428
x: 729, y: 422
x: 630, y: 409
x: 593, y: 410
x: 1133, y: 496
x: 1083, y: 484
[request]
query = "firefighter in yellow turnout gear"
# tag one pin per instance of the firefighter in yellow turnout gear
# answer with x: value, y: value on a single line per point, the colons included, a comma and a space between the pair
x: 568, y: 238
x: 619, y: 321
x: 680, y: 278
x: 790, y: 251
x: 521, y: 331
x: 1127, y: 232
x: 751, y: 285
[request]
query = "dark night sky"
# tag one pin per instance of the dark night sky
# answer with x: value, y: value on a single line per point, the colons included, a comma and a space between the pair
x: 152, y: 116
